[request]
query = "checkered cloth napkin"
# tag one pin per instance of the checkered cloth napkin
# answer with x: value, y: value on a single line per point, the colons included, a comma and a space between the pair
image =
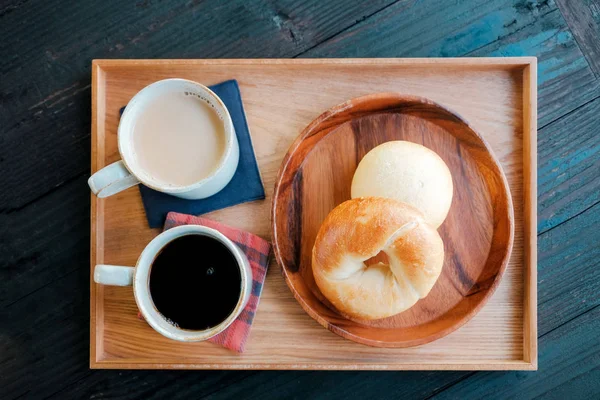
x: 258, y: 252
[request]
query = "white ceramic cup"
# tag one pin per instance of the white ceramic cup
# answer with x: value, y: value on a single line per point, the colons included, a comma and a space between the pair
x: 139, y: 277
x: 123, y: 174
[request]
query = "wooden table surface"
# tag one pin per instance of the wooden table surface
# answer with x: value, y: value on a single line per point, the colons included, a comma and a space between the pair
x: 46, y: 48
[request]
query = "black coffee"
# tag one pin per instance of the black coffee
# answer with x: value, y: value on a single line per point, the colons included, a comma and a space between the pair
x: 195, y: 282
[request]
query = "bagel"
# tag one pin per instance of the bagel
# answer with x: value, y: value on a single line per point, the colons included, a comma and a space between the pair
x: 359, y: 229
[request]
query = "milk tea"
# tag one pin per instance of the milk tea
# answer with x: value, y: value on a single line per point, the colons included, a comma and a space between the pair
x: 178, y: 139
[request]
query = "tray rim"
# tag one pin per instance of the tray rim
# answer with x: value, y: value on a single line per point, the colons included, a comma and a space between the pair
x: 528, y: 65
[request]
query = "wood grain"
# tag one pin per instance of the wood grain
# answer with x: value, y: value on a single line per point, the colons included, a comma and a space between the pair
x: 44, y: 215
x: 473, y: 89
x: 565, y: 80
x: 460, y: 29
x: 530, y: 79
x: 568, y: 172
x: 577, y: 377
x: 479, y: 29
x: 569, y: 283
x: 53, y: 102
x: 316, y: 176
x: 47, y: 115
x: 583, y: 17
x: 563, y: 252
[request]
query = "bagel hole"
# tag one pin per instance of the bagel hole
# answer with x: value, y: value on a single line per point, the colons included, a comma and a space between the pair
x: 380, y: 257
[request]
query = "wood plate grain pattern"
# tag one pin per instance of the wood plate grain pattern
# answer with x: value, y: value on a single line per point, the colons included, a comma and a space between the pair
x: 316, y: 175
x: 281, y: 97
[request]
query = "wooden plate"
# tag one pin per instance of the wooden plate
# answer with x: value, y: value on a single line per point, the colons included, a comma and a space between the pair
x: 316, y: 174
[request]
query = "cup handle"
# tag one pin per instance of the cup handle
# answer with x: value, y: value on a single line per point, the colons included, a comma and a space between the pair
x: 113, y: 275
x: 111, y: 179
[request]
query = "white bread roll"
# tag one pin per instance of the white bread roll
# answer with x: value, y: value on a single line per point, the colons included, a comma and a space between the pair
x: 359, y: 229
x: 407, y: 172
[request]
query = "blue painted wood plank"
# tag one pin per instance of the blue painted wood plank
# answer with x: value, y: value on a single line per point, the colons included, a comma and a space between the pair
x: 44, y: 340
x: 432, y: 28
x: 565, y: 80
x: 569, y: 166
x: 482, y: 28
x: 568, y: 276
x: 569, y: 368
x: 568, y: 270
x: 568, y: 321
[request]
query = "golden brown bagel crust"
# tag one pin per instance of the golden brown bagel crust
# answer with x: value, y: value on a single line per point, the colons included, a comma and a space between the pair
x: 359, y: 229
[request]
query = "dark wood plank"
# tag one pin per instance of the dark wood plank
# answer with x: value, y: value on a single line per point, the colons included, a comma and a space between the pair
x: 44, y: 241
x: 44, y: 342
x: 47, y: 353
x: 8, y: 6
x: 430, y: 28
x: 568, y: 165
x: 569, y: 368
x: 569, y: 279
x: 44, y: 147
x: 484, y: 28
x: 249, y: 385
x: 568, y: 270
x: 583, y: 17
x: 565, y: 81
x: 44, y: 310
x: 339, y: 385
x: 45, y: 61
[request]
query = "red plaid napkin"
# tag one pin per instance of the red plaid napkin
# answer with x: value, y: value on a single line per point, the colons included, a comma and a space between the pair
x: 258, y: 252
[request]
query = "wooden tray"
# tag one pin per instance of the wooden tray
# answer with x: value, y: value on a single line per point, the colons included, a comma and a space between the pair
x: 316, y: 176
x: 497, y: 96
